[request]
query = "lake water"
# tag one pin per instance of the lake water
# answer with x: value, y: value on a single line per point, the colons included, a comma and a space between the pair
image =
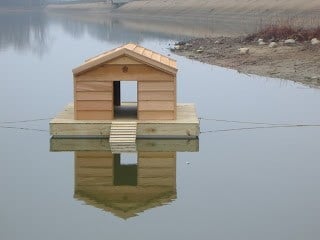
x: 258, y: 183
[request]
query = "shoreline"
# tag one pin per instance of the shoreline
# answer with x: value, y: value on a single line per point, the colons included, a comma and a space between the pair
x: 298, y: 62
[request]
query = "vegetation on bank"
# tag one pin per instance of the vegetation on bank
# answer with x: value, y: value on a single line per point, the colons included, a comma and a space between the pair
x: 278, y: 32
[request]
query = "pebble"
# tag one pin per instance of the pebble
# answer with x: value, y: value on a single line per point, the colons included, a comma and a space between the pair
x: 244, y: 50
x: 273, y: 45
x: 290, y: 41
x: 314, y: 41
x: 262, y: 43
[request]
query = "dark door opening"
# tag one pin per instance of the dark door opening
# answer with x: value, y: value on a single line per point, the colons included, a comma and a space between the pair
x: 125, y: 99
x: 124, y: 174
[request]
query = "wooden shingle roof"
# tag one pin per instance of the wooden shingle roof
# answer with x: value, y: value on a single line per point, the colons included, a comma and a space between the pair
x: 134, y: 51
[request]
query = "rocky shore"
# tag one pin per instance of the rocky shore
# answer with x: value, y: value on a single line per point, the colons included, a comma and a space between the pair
x: 285, y: 59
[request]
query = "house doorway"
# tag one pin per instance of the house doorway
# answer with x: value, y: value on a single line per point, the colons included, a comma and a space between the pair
x: 125, y: 170
x: 125, y: 99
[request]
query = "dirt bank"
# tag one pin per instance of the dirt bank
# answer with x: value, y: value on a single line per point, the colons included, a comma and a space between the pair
x: 299, y: 62
x: 211, y: 7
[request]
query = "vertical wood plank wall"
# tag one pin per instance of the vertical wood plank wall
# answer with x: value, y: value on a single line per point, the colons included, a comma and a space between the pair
x: 94, y: 91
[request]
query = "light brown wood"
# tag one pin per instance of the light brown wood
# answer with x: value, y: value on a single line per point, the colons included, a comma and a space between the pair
x: 123, y: 60
x: 89, y: 145
x: 97, y: 172
x: 94, y: 86
x: 147, y: 53
x: 139, y: 49
x: 156, y: 172
x: 96, y: 187
x: 96, y: 115
x: 95, y: 105
x: 159, y: 115
x: 160, y: 95
x: 132, y: 50
x: 156, y: 86
x: 156, y: 181
x: 186, y: 124
x: 134, y: 72
x: 94, y: 96
x: 95, y: 162
x: 156, y: 106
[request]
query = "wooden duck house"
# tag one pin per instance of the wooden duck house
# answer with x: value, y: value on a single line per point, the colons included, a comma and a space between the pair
x: 97, y: 97
x: 97, y: 84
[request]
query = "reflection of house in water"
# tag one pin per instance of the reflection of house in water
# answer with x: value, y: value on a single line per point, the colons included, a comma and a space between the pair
x: 125, y: 190
x: 104, y: 181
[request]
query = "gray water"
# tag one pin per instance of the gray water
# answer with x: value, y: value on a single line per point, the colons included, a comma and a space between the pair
x: 242, y: 184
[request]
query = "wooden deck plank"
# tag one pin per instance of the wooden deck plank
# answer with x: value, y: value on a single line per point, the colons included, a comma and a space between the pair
x: 186, y: 125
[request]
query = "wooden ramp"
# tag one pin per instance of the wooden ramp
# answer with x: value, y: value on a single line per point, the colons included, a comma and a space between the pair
x: 123, y: 137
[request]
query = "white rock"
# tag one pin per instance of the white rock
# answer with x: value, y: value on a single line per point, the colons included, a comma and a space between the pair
x: 314, y: 41
x: 244, y: 50
x: 188, y: 45
x: 262, y: 43
x: 290, y: 41
x: 177, y: 47
x: 273, y: 45
x: 260, y: 40
x: 200, y: 50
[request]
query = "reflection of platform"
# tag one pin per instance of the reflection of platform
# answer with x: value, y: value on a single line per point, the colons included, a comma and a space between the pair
x: 106, y: 181
x: 185, y: 126
x: 145, y: 145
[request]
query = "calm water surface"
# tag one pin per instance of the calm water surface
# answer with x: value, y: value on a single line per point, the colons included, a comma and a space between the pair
x: 242, y: 184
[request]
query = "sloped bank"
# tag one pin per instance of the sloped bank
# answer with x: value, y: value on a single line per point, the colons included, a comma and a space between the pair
x: 296, y: 61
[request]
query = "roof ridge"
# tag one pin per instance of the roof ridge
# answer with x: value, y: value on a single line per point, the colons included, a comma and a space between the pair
x: 137, y: 51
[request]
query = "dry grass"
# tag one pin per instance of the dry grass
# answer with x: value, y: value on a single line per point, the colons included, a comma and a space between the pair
x: 282, y: 31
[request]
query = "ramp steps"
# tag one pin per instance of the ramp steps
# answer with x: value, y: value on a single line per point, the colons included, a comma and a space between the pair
x: 123, y: 137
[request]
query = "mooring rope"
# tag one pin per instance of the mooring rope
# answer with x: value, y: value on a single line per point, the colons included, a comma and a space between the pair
x: 24, y: 121
x: 25, y: 128
x: 264, y: 127
x: 245, y: 122
x: 267, y: 125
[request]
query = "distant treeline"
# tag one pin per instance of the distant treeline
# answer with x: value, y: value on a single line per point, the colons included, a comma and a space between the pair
x: 22, y: 3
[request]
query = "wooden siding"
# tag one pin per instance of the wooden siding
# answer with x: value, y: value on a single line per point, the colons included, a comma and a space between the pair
x: 156, y: 100
x: 132, y: 51
x: 140, y: 72
x: 157, y: 169
x: 94, y: 90
x: 93, y: 168
x: 93, y: 100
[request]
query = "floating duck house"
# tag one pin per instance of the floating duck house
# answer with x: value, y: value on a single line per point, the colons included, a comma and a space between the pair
x: 97, y: 109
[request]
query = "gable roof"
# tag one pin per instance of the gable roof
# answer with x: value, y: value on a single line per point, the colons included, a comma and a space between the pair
x: 134, y: 51
x: 127, y: 207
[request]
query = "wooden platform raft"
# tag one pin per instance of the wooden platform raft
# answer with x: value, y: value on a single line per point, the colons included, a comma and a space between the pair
x: 186, y: 125
x: 97, y: 109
